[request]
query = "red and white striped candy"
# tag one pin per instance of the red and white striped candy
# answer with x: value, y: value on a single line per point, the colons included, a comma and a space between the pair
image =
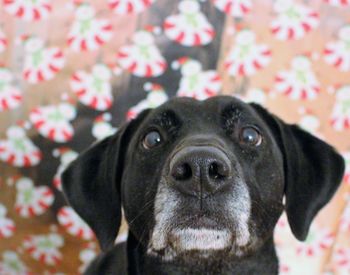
x: 341, y: 260
x: 236, y: 8
x: 190, y: 27
x: 74, y: 225
x: 88, y: 33
x: 282, y: 232
x: 28, y: 10
x: 345, y: 218
x: 41, y: 64
x: 337, y: 53
x: 93, y: 89
x: 18, y: 150
x: 135, y: 110
x: 255, y: 95
x: 300, y: 82
x: 340, y: 118
x: 86, y: 256
x: 154, y: 99
x: 53, y: 121
x: 283, y: 268
x: 285, y: 265
x: 3, y: 41
x: 7, y: 226
x: 102, y: 127
x: 142, y: 58
x: 310, y: 123
x: 293, y: 20
x: 338, y: 3
x: 317, y: 242
x: 197, y: 83
x: 11, y: 264
x: 45, y: 248
x: 10, y: 96
x: 246, y: 57
x: 346, y: 156
x: 66, y: 158
x: 129, y: 6
x: 32, y: 201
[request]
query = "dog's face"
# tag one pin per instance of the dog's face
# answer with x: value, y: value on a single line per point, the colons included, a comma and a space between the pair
x: 198, y: 178
x: 202, y: 177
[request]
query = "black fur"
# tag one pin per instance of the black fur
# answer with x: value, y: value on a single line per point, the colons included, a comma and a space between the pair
x: 119, y: 171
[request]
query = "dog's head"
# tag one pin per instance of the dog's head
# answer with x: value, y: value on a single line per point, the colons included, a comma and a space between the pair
x: 203, y: 177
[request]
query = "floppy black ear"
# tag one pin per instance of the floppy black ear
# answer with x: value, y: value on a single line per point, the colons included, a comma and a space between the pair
x: 313, y: 171
x: 91, y: 183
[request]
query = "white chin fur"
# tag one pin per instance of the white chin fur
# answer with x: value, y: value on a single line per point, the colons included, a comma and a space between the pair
x: 200, y: 239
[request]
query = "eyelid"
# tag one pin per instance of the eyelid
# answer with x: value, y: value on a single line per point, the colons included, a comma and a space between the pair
x: 255, y: 127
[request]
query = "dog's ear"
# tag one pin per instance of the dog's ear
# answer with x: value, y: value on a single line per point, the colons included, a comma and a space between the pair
x: 313, y: 171
x: 91, y: 183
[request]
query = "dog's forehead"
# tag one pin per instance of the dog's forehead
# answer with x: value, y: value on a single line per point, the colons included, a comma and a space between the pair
x: 188, y: 109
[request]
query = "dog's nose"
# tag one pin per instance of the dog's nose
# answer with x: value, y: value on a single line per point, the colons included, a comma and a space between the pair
x: 200, y: 170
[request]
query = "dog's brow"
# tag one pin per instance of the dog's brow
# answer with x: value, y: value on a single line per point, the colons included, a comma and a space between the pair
x: 230, y: 115
x: 167, y: 119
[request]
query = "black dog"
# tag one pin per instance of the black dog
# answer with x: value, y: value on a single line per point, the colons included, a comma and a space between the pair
x: 201, y: 184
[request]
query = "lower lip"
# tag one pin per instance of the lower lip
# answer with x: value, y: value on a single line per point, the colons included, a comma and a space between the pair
x: 201, y: 239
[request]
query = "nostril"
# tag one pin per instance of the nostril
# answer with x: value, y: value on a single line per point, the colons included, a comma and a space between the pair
x: 182, y: 172
x: 217, y: 171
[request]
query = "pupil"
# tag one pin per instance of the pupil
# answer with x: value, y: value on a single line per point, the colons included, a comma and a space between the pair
x: 153, y: 138
x: 250, y: 135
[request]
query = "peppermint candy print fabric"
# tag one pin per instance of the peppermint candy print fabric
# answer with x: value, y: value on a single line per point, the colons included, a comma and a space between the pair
x: 53, y: 121
x: 299, y: 82
x: 7, y: 226
x: 10, y: 95
x: 93, y: 89
x: 11, y: 264
x: 337, y: 53
x: 338, y: 3
x: 346, y: 156
x: 142, y: 58
x: 102, y: 127
x: 156, y: 96
x: 66, y: 156
x: 72, y: 72
x: 236, y: 8
x: 197, y: 83
x: 340, y: 118
x: 41, y: 63
x: 129, y: 6
x: 190, y: 27
x: 293, y: 21
x: 28, y: 10
x: 246, y: 57
x: 31, y: 200
x: 74, y: 224
x: 88, y: 33
x: 18, y: 150
x: 45, y: 248
x: 3, y: 41
x: 86, y: 256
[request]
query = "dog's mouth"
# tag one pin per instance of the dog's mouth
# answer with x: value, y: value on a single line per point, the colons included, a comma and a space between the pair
x: 199, y: 239
x: 186, y: 226
x: 199, y: 232
x: 195, y: 234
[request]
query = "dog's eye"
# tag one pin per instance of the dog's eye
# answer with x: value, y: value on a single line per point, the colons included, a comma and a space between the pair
x: 250, y: 136
x: 152, y: 139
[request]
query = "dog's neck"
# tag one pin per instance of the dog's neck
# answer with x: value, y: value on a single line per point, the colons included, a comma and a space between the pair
x: 262, y: 262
